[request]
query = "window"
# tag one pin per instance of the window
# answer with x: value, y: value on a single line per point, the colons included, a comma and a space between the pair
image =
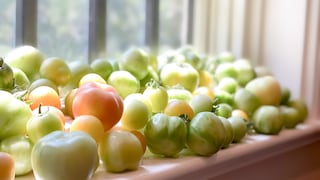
x: 63, y: 28
x: 7, y: 14
x: 125, y: 25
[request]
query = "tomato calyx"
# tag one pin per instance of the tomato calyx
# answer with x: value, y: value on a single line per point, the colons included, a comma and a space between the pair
x: 153, y: 84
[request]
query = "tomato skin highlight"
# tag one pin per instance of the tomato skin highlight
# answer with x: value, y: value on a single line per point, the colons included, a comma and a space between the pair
x: 102, y: 102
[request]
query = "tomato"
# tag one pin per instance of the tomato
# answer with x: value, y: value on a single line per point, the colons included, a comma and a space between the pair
x: 228, y: 84
x: 179, y: 73
x: 206, y: 134
x: 27, y: 58
x: 226, y: 69
x: 19, y: 147
x: 120, y: 150
x: 246, y: 101
x: 44, y: 95
x: 124, y: 82
x: 222, y: 96
x: 239, y: 127
x: 179, y: 108
x: 89, y: 124
x: 6, y: 76
x: 92, y: 77
x: 267, y: 89
x: 285, y: 95
x: 229, y: 133
x: 65, y: 155
x: 102, y: 67
x: 14, y: 115
x: 135, y: 114
x: 245, y: 71
x: 204, y: 90
x: 55, y: 69
x: 135, y: 61
x: 179, y: 93
x: 223, y: 109
x: 200, y: 103
x: 42, y: 123
x: 267, y: 120
x: 165, y: 135
x: 100, y: 100
x: 157, y: 95
x: 6, y: 166
x: 301, y: 106
x: 290, y: 116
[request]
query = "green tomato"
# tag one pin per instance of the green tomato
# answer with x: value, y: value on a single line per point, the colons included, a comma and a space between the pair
x: 20, y: 79
x: 228, y: 84
x: 102, y: 67
x: 136, y: 62
x: 290, y: 116
x: 285, y: 95
x: 179, y: 73
x: 14, y: 115
x: 267, y: 120
x: 302, y: 108
x: 245, y: 71
x: 43, y: 123
x: 176, y: 93
x: 206, y: 134
x: 65, y: 155
x: 157, y: 95
x: 223, y: 109
x: 135, y: 114
x: 191, y: 56
x: 165, y: 135
x: 120, y: 151
x: 124, y: 82
x: 78, y: 70
x: 222, y: 96
x: 6, y: 76
x: 26, y: 58
x: 19, y: 147
x: 225, y: 57
x: 246, y: 101
x: 267, y: 89
x: 225, y: 70
x: 201, y: 103
x: 239, y: 127
x: 229, y: 133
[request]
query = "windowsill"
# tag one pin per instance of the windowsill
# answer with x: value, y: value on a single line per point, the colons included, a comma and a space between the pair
x: 255, y: 151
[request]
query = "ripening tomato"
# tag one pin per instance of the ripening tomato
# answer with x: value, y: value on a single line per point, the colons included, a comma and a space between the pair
x: 100, y: 100
x: 179, y: 108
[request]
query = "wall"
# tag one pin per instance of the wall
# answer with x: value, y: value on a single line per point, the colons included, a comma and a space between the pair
x: 282, y: 35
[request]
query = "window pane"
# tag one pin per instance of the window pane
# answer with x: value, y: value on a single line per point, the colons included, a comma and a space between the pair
x: 63, y: 28
x: 7, y: 14
x: 125, y: 25
x: 170, y: 24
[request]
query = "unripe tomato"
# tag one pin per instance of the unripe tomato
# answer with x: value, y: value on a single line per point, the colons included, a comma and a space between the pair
x: 165, y: 135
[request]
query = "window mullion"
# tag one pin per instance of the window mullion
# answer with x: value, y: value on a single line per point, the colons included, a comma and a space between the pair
x: 152, y: 25
x: 97, y: 29
x: 26, y: 22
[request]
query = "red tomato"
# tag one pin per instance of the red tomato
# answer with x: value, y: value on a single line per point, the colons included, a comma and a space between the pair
x: 100, y: 100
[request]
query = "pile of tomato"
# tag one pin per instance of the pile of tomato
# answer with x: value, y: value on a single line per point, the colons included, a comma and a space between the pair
x: 56, y: 112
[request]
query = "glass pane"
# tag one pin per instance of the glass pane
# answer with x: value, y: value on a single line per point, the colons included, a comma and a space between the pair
x: 63, y: 28
x: 125, y: 25
x: 170, y: 24
x: 7, y: 15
